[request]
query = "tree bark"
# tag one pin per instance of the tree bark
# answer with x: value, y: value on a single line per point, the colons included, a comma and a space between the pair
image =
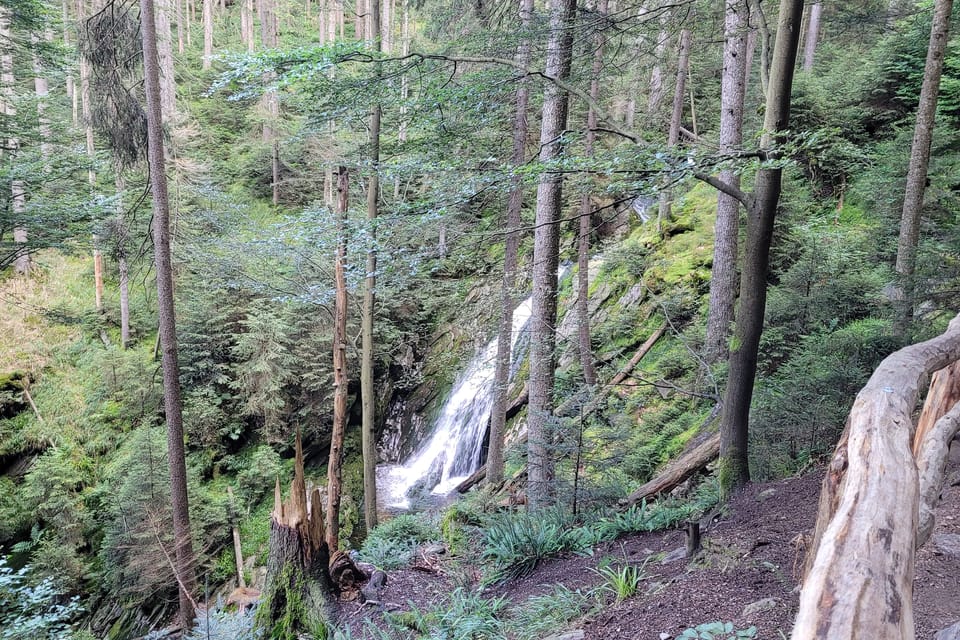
x: 676, y: 117
x: 540, y: 464
x: 120, y: 238
x: 18, y: 197
x: 183, y: 543
x: 367, y: 390
x: 501, y: 376
x: 340, y: 379
x: 812, y: 35
x: 734, y: 426
x: 723, y: 274
x: 656, y: 92
x: 919, y: 161
x: 168, y: 86
x: 207, y: 34
x: 860, y: 582
x: 298, y: 597
x: 584, y: 349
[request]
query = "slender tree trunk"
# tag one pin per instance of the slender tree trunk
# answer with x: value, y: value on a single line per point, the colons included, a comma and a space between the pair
x: 69, y: 80
x: 178, y: 9
x: 269, y: 36
x: 813, y: 34
x: 540, y: 463
x: 168, y: 86
x: 367, y: 391
x: 656, y: 93
x: 18, y: 197
x: 501, y: 376
x: 207, y: 34
x: 120, y: 238
x: 676, y: 117
x: 919, y: 161
x: 183, y: 543
x: 340, y: 380
x: 734, y: 425
x: 723, y: 274
x: 359, y: 18
x: 584, y: 349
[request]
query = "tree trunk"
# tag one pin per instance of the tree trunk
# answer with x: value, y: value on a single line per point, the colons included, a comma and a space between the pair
x: 501, y: 375
x: 734, y: 426
x: 540, y: 464
x: 120, y: 238
x: 584, y: 349
x: 359, y: 18
x: 269, y: 36
x: 167, y: 320
x: 812, y: 35
x: 367, y: 391
x: 656, y: 93
x: 723, y: 274
x: 340, y: 380
x: 919, y: 161
x: 860, y: 582
x: 18, y: 202
x: 676, y: 117
x: 298, y: 599
x: 168, y: 86
x: 208, y: 33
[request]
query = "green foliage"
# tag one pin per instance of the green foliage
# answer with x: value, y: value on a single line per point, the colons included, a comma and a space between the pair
x: 717, y: 631
x: 34, y: 610
x: 623, y: 580
x: 540, y: 615
x: 220, y: 624
x: 466, y: 615
x: 516, y: 544
x: 393, y: 543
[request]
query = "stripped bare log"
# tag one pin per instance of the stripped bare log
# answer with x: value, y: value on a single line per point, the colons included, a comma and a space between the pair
x: 679, y: 470
x: 938, y: 424
x: 860, y: 583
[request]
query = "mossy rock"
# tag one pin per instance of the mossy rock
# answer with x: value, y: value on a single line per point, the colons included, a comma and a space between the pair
x: 12, y: 401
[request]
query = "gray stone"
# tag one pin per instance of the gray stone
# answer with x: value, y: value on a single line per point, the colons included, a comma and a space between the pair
x: 767, y: 494
x: 950, y: 633
x: 947, y: 543
x: 567, y: 635
x: 759, y: 606
x: 680, y: 553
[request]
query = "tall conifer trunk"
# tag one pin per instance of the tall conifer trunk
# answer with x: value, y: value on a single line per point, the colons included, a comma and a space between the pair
x: 734, y: 425
x: 367, y: 391
x: 183, y: 542
x: 501, y: 375
x: 919, y: 162
x: 723, y: 274
x: 540, y: 462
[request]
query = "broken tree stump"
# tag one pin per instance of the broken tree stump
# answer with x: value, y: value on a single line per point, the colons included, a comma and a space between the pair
x: 299, y: 597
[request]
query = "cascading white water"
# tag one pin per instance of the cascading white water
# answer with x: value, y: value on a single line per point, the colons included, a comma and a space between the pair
x: 454, y: 449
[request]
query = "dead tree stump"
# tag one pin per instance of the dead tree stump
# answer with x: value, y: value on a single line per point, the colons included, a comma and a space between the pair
x: 299, y: 596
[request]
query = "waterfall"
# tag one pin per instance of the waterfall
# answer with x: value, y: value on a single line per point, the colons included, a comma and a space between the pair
x: 453, y: 451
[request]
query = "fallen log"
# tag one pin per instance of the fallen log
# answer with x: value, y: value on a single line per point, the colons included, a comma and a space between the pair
x: 679, y: 470
x: 860, y: 582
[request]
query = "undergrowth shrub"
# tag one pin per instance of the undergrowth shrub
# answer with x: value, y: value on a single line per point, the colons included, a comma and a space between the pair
x: 540, y: 615
x: 394, y: 543
x: 33, y: 610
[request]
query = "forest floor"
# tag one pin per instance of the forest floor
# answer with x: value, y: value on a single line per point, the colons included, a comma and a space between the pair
x: 752, y: 559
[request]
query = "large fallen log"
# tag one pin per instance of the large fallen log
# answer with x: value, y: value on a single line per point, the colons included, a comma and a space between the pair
x: 860, y: 581
x: 679, y: 470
